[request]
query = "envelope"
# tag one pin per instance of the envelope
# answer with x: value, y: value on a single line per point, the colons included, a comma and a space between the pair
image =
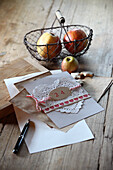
x: 41, y: 137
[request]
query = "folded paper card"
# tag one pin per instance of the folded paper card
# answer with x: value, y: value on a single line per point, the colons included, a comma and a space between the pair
x: 41, y: 137
x: 58, y: 110
x: 28, y: 105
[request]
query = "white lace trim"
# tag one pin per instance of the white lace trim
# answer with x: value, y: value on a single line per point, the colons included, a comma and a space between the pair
x: 71, y: 109
x: 42, y: 91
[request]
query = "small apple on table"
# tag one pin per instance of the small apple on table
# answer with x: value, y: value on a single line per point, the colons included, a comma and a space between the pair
x: 69, y: 64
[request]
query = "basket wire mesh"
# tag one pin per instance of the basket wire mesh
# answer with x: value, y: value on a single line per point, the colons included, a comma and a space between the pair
x: 32, y: 37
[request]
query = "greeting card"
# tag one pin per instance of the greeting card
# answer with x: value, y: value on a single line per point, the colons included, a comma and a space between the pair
x: 62, y: 99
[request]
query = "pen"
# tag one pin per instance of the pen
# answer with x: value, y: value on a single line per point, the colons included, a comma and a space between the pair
x: 105, y: 91
x: 21, y: 137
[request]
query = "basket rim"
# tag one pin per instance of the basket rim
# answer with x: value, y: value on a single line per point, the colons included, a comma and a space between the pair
x: 48, y: 28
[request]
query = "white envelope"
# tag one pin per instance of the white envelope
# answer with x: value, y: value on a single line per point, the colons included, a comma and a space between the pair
x: 41, y: 137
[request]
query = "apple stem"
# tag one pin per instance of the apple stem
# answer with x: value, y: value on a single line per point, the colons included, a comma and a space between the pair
x: 68, y: 59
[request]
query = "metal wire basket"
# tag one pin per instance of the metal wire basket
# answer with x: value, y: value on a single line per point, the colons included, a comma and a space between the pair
x: 50, y: 51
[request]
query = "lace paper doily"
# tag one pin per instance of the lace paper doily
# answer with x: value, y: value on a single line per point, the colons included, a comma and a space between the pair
x: 42, y: 91
x: 71, y: 109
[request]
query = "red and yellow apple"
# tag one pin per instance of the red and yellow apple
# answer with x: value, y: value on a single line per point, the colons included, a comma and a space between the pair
x: 75, y: 35
x: 44, y: 47
x: 69, y: 64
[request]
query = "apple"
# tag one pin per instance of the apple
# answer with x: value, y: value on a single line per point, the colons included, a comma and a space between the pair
x: 72, y: 35
x: 69, y: 64
x: 49, y: 51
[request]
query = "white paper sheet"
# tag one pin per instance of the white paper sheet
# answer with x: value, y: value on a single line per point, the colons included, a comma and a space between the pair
x: 40, y: 137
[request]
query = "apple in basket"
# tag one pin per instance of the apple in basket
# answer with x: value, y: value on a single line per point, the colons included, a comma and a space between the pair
x: 49, y: 45
x: 69, y: 64
x: 75, y: 35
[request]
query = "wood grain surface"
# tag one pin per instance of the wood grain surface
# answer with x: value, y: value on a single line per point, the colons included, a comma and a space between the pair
x: 19, y: 17
x: 17, y: 68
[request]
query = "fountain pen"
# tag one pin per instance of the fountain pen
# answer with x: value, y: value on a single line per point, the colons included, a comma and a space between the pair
x: 21, y: 137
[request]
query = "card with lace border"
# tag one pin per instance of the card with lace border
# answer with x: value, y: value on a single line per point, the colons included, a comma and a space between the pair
x: 62, y: 98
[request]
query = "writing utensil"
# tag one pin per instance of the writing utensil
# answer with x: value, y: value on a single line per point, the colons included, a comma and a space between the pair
x: 105, y: 91
x: 21, y: 137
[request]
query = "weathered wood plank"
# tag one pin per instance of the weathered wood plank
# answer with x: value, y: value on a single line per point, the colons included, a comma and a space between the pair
x: 6, y: 131
x: 24, y: 16
x: 106, y: 151
x: 16, y: 68
x: 100, y: 20
x: 19, y: 23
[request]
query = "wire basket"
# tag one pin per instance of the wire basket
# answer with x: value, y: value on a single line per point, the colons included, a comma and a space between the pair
x: 51, y: 51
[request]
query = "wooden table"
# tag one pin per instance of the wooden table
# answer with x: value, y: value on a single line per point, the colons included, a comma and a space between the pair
x: 17, y: 18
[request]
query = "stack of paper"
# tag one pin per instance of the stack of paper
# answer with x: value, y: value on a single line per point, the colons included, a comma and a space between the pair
x: 40, y: 136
